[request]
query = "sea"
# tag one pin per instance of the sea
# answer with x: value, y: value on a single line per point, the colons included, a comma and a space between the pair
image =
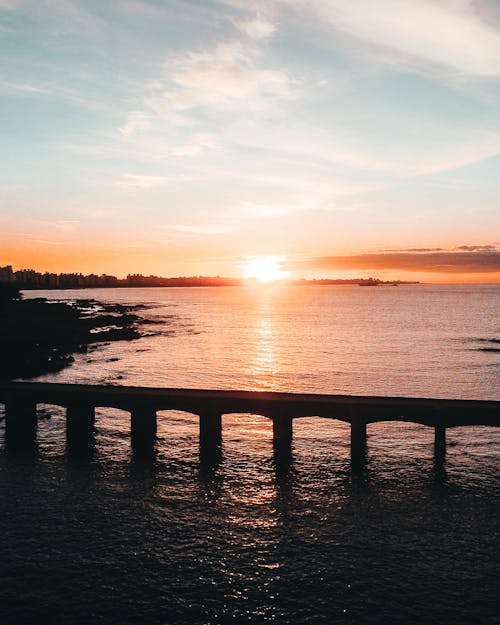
x: 112, y: 540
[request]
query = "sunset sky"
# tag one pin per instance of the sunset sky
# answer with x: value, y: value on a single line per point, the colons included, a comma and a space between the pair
x: 344, y: 138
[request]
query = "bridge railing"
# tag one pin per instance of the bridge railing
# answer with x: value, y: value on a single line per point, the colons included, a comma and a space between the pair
x: 143, y: 403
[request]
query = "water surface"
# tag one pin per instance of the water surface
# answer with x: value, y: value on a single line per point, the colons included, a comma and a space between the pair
x: 113, y: 540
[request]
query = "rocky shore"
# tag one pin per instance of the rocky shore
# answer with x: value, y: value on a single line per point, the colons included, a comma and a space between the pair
x: 39, y: 336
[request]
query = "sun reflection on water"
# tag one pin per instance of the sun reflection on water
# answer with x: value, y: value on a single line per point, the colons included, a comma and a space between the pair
x: 264, y: 363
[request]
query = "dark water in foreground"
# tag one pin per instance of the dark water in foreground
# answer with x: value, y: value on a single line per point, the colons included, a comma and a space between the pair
x: 113, y: 540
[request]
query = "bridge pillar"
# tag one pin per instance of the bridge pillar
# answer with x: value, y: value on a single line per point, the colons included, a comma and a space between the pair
x: 142, y: 429
x: 20, y: 424
x: 282, y: 443
x: 358, y: 444
x: 439, y: 443
x: 210, y: 439
x: 210, y: 428
x: 80, y: 420
x: 282, y: 433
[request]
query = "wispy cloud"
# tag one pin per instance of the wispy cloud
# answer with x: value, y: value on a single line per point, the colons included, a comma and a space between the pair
x: 231, y: 76
x: 215, y: 88
x: 135, y: 246
x: 137, y: 182
x: 196, y: 144
x: 417, y: 249
x: 63, y: 225
x: 65, y: 16
x: 223, y: 77
x: 273, y: 211
x: 53, y: 91
x: 13, y: 87
x: 203, y: 229
x: 449, y: 34
x: 450, y: 262
x: 256, y: 28
x: 477, y: 248
x: 36, y: 239
x: 459, y: 248
x: 136, y: 120
x: 426, y: 156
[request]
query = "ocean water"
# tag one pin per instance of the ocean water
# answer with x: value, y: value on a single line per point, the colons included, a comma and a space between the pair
x: 113, y: 540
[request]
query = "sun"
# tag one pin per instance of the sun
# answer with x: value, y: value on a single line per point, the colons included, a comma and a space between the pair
x: 265, y: 269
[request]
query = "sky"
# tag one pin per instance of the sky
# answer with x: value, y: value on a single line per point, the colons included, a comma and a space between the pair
x: 194, y: 137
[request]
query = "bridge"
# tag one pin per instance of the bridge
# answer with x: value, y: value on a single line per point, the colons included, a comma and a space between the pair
x: 143, y: 403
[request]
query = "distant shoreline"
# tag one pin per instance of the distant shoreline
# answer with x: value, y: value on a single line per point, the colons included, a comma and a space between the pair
x: 29, y: 279
x: 213, y: 283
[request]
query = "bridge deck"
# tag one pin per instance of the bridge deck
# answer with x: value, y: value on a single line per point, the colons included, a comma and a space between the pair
x: 349, y: 408
x: 143, y: 403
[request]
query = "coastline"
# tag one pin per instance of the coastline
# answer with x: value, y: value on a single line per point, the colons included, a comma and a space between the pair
x: 40, y: 336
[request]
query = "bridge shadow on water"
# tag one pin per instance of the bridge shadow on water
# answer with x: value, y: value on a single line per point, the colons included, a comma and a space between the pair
x: 82, y: 453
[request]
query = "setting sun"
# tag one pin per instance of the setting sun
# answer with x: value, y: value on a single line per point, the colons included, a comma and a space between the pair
x: 265, y: 269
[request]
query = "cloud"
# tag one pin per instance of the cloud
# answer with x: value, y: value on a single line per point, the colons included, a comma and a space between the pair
x: 255, y: 210
x: 197, y: 144
x: 228, y: 78
x: 136, y: 120
x: 448, y: 34
x: 477, y: 248
x: 12, y: 87
x: 65, y: 16
x: 62, y: 225
x: 224, y: 77
x: 65, y: 225
x: 203, y: 229
x: 419, y: 249
x: 134, y: 246
x: 138, y: 182
x: 35, y: 239
x: 256, y: 28
x: 460, y: 248
x: 437, y: 152
x: 456, y: 156
x: 433, y: 262
x: 53, y: 91
x: 224, y: 88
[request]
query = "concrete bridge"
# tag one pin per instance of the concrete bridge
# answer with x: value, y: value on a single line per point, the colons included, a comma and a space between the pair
x: 143, y: 403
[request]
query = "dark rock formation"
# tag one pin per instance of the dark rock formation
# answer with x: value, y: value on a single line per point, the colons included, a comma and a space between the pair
x: 39, y: 336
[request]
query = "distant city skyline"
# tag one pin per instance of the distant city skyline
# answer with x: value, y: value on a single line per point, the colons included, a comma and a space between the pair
x: 335, y: 138
x: 31, y: 279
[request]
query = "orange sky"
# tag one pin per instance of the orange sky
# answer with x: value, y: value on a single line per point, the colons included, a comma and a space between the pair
x: 120, y: 261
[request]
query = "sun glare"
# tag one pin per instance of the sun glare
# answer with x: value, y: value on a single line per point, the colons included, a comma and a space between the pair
x: 265, y: 269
